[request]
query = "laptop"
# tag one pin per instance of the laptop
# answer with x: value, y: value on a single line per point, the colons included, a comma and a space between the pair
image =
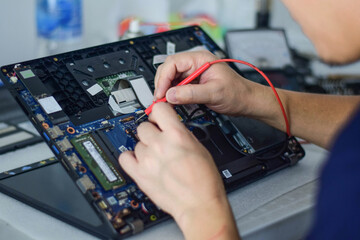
x: 85, y: 104
x: 269, y: 50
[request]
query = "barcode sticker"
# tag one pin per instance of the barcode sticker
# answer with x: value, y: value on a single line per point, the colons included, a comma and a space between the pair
x: 122, y: 148
x: 170, y: 48
x: 227, y: 173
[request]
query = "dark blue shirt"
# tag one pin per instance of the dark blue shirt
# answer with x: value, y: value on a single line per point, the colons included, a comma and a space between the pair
x: 338, y: 205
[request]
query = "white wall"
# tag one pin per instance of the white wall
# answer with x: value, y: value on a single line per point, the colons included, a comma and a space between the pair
x: 17, y: 30
x: 18, y: 39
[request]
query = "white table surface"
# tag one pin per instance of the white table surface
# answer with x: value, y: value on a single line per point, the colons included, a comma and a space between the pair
x: 260, y: 209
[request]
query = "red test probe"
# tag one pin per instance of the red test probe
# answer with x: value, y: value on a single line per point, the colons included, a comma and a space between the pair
x: 204, y: 67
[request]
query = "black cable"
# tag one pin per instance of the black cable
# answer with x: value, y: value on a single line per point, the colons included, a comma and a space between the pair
x: 193, y: 112
x: 201, y: 127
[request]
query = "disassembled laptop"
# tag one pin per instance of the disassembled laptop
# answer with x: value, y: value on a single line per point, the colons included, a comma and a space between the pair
x: 85, y: 104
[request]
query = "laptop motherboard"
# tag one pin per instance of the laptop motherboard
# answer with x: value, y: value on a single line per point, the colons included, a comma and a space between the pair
x: 85, y: 105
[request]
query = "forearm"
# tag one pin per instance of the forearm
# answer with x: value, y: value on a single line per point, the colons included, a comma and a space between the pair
x: 316, y: 118
x: 211, y: 221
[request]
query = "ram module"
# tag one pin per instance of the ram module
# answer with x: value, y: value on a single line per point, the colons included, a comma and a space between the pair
x: 95, y: 158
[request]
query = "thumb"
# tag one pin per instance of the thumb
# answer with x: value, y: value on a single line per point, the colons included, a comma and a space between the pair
x: 191, y: 93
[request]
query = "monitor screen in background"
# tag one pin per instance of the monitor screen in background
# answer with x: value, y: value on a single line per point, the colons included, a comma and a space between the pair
x: 266, y: 49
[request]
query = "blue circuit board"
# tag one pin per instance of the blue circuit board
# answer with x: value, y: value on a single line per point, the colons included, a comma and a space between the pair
x: 115, y: 200
x: 121, y: 133
x: 85, y: 106
x: 79, y: 102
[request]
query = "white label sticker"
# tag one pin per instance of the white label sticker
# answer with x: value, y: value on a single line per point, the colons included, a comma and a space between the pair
x: 227, y: 173
x: 170, y: 48
x: 94, y: 89
x: 50, y: 105
x: 122, y: 148
x: 100, y: 161
x: 158, y: 59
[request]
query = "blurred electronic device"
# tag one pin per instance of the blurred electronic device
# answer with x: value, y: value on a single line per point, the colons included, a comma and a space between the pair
x: 15, y: 129
x: 336, y: 84
x: 12, y: 137
x: 85, y: 104
x: 268, y: 49
x: 10, y: 111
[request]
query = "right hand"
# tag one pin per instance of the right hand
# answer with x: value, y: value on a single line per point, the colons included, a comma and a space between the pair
x: 177, y: 172
x: 220, y: 88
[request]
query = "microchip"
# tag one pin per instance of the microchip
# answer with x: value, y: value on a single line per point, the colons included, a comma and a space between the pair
x: 121, y: 195
x: 112, y: 200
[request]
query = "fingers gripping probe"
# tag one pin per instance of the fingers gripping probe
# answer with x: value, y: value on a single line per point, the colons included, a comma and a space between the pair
x: 187, y: 80
x: 206, y: 66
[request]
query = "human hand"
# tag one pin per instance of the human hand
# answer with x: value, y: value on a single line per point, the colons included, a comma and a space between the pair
x: 220, y: 88
x: 170, y: 165
x: 176, y: 172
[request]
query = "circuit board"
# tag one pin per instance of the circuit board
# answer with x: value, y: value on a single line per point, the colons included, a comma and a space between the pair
x: 85, y: 105
x: 108, y: 83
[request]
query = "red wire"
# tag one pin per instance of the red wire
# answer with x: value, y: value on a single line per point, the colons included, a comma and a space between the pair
x: 269, y: 82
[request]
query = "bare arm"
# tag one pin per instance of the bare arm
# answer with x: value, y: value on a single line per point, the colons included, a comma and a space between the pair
x: 165, y: 161
x: 317, y: 118
x: 313, y: 117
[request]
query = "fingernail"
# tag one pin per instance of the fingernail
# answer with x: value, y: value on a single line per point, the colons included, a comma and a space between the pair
x: 155, y: 98
x: 171, y: 95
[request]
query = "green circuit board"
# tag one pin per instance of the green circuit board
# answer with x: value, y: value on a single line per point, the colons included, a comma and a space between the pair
x: 98, y: 162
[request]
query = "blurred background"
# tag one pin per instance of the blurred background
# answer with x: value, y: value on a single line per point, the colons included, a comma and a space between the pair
x: 26, y: 25
x: 36, y: 28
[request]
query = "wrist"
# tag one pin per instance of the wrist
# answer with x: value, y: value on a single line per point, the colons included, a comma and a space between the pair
x: 212, y: 220
x: 261, y: 103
